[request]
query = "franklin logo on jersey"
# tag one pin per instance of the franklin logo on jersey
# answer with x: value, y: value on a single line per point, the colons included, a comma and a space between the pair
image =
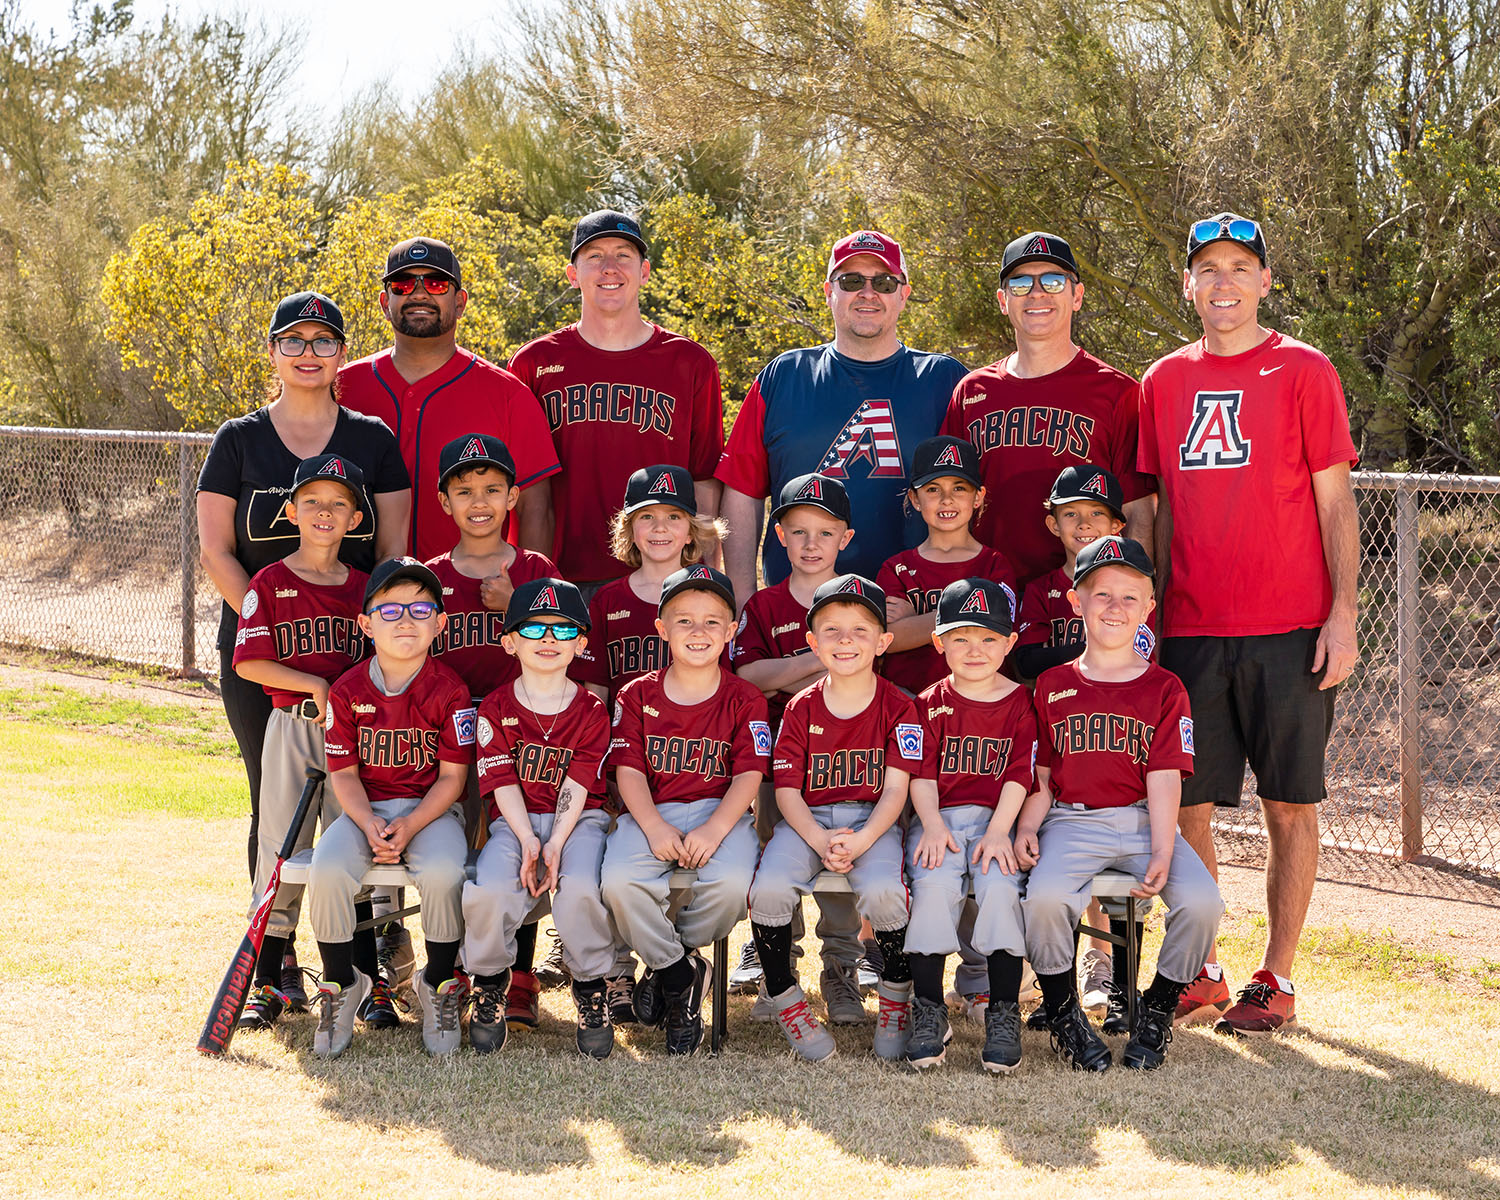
x: 1214, y: 438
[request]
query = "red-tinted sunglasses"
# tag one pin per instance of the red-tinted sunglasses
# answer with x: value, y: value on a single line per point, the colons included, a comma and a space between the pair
x: 405, y: 285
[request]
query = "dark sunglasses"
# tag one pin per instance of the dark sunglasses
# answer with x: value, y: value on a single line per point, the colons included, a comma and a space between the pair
x: 852, y: 281
x: 535, y: 631
x: 1240, y: 229
x: 295, y: 347
x: 1052, y: 282
x: 420, y: 610
x: 405, y: 285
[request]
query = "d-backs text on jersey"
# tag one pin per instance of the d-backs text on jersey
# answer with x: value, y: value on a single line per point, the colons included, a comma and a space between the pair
x: 611, y: 403
x: 1060, y: 431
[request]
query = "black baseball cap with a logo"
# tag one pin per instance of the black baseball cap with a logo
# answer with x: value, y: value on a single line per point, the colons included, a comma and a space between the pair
x: 981, y: 602
x: 606, y: 222
x: 819, y: 491
x: 1084, y: 481
x: 1113, y: 551
x: 943, y: 458
x: 1037, y: 247
x: 330, y: 466
x: 472, y: 450
x: 423, y: 252
x: 697, y: 578
x: 404, y: 569
x: 661, y: 484
x: 306, y: 306
x: 546, y: 597
x: 848, y: 589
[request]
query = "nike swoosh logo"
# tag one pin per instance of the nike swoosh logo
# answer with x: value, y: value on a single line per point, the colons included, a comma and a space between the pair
x: 1269, y: 370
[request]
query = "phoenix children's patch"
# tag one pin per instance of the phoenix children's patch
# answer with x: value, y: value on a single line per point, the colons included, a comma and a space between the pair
x: 909, y: 740
x: 761, y: 732
x: 1185, y: 731
x: 463, y: 725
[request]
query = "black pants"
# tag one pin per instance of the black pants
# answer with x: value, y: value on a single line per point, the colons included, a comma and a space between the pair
x: 248, y: 708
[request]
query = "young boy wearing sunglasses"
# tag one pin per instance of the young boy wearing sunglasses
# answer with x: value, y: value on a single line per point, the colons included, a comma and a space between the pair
x: 400, y: 737
x: 542, y: 741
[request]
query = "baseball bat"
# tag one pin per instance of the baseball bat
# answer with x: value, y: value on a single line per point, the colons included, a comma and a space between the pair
x: 229, y: 1000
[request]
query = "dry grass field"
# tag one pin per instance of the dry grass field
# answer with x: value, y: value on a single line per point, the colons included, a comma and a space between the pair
x: 123, y: 863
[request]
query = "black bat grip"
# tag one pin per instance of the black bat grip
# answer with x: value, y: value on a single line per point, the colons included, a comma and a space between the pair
x: 315, y: 779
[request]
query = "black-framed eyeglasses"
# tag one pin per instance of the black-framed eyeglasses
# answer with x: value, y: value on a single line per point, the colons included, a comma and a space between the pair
x: 853, y: 281
x: 535, y: 631
x: 1241, y: 229
x: 1052, y: 282
x: 421, y: 610
x: 405, y: 285
x: 295, y: 347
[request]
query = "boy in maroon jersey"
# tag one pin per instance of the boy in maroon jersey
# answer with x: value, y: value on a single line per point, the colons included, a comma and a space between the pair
x: 979, y: 750
x: 691, y: 745
x: 1115, y: 739
x: 542, y: 741
x: 299, y: 631
x: 400, y: 737
x: 844, y: 756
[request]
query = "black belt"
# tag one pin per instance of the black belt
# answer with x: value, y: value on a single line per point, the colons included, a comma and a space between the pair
x: 303, y: 710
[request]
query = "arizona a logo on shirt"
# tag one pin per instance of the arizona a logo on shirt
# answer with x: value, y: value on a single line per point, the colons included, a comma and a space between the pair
x: 1214, y: 439
x: 870, y: 434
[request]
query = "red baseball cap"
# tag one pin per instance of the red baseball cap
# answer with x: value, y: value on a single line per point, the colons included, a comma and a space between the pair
x: 868, y: 241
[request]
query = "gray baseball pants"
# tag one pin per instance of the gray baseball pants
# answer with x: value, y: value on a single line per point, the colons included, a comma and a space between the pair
x: 292, y: 745
x: 938, y: 894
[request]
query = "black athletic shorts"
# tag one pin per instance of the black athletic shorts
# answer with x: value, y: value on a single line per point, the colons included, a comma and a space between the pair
x: 1254, y: 699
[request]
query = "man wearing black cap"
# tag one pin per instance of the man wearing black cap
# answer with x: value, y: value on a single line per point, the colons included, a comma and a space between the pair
x: 429, y: 391
x: 1047, y: 406
x: 618, y: 392
x: 1248, y: 429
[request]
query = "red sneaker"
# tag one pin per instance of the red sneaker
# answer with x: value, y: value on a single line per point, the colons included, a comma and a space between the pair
x: 1204, y: 999
x: 521, y: 1000
x: 1262, y: 1008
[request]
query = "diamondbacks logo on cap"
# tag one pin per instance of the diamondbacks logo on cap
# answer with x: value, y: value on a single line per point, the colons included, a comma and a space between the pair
x: 947, y: 458
x: 417, y: 251
x: 699, y: 572
x: 1095, y: 485
x: 662, y: 486
x: 474, y: 449
x: 811, y: 490
x: 852, y: 584
x: 313, y: 308
x: 866, y: 241
x: 1109, y: 552
x: 977, y: 602
x: 333, y: 466
x: 1037, y: 245
x: 547, y: 598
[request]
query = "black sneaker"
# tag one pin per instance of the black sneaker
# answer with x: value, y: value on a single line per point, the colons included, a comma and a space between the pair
x: 1117, y: 1010
x: 553, y: 972
x: 684, y: 1011
x: 487, y: 1024
x: 379, y: 1009
x: 870, y: 967
x: 620, y: 995
x: 1037, y: 1018
x: 292, y: 986
x: 930, y: 1034
x: 1002, y: 1037
x: 744, y: 980
x: 596, y: 1035
x: 650, y: 1006
x: 263, y: 1008
x: 1076, y: 1042
x: 1147, y: 1047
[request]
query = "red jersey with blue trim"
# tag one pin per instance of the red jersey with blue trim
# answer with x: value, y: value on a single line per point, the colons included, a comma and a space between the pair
x: 470, y: 644
x: 973, y: 748
x: 311, y: 627
x: 837, y: 760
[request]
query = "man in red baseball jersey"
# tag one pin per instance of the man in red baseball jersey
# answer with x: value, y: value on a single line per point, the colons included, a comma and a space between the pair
x: 1048, y: 405
x: 618, y: 392
x: 429, y: 391
x: 1247, y: 428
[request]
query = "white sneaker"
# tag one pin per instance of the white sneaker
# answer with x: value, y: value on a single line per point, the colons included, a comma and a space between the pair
x: 1098, y: 973
x: 747, y: 972
x: 337, y: 1008
x: 970, y: 1008
x: 442, y: 1009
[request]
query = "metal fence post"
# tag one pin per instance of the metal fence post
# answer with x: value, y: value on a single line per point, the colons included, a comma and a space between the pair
x: 186, y: 536
x: 1409, y: 665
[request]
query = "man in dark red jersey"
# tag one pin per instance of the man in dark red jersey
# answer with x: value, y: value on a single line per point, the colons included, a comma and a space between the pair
x: 1247, y: 429
x: 429, y: 391
x: 1047, y: 406
x: 618, y: 392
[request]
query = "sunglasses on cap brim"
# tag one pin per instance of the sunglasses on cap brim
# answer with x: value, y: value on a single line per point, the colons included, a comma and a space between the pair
x: 1240, y: 230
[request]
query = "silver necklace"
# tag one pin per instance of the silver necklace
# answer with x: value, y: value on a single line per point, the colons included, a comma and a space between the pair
x: 556, y: 717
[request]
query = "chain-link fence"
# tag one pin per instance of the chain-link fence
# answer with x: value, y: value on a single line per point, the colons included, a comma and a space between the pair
x: 99, y: 556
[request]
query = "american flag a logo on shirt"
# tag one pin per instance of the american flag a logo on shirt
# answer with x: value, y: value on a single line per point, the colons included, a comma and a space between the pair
x: 870, y: 434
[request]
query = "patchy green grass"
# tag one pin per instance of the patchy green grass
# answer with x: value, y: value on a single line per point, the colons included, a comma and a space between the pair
x: 182, y: 726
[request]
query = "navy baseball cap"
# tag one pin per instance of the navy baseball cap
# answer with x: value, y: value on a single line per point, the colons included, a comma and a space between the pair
x: 607, y: 223
x: 546, y: 597
x: 697, y: 578
x: 423, y: 252
x: 1038, y: 247
x: 819, y: 491
x: 1113, y: 551
x: 330, y: 466
x: 397, y: 570
x: 471, y: 450
x: 943, y: 458
x: 1084, y: 481
x: 661, y: 484
x: 1227, y: 227
x: 306, y: 306
x: 849, y: 589
x: 981, y: 602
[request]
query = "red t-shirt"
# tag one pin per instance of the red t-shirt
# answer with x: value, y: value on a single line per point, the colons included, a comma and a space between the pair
x: 1101, y: 739
x: 922, y: 581
x: 308, y: 626
x: 1235, y: 441
x: 470, y: 644
x: 612, y: 412
x: 1028, y: 430
x: 973, y: 748
x: 831, y: 760
x: 690, y: 751
x: 398, y: 741
x: 773, y: 625
x: 517, y: 747
x: 1047, y: 616
x: 465, y: 395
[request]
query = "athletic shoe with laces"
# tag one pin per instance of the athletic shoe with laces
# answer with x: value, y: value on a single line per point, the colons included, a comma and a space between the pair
x: 800, y: 1028
x: 1076, y: 1042
x: 292, y: 985
x: 930, y: 1034
x: 487, y: 1025
x: 1261, y: 1009
x: 379, y: 1008
x: 969, y: 1007
x: 553, y: 973
x: 746, y: 976
x: 650, y: 1002
x: 1147, y: 1047
x: 620, y: 994
x: 762, y: 1011
x: 1202, y: 1000
x: 263, y: 1008
x: 394, y: 953
x: 521, y: 1007
x: 870, y: 966
x: 1037, y: 1018
x: 1002, y: 1038
x: 893, y: 1021
x: 1098, y: 973
x: 841, y: 995
x: 442, y: 1009
x: 1117, y: 1010
x: 337, y: 1007
x: 684, y: 1011
x: 596, y: 1035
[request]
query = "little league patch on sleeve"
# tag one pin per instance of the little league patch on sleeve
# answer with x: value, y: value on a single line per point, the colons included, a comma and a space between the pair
x: 1145, y: 641
x: 909, y: 741
x: 761, y: 732
x: 1185, y: 731
x: 463, y: 725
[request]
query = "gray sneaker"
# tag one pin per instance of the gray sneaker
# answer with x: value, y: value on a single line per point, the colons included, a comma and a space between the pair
x: 841, y: 995
x: 1002, y: 1037
x: 337, y: 1008
x: 808, y: 1038
x: 1098, y: 973
x: 930, y: 1034
x: 762, y: 1010
x: 747, y: 973
x: 442, y: 1009
x: 893, y: 1025
x: 398, y: 961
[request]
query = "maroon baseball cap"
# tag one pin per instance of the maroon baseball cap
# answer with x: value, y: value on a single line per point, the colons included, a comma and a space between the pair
x: 868, y: 241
